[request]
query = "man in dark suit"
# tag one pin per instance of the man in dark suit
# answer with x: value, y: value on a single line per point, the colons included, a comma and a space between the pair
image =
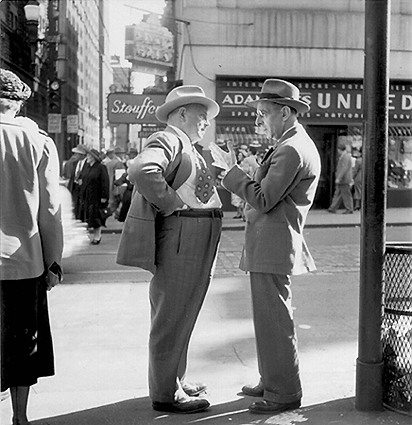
x: 173, y: 229
x: 74, y: 182
x: 278, y: 199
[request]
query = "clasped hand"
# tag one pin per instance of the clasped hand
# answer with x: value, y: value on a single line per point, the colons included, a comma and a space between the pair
x: 221, y: 158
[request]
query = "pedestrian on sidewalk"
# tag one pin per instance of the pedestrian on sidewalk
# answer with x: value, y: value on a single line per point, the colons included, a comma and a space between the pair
x: 31, y: 245
x: 357, y: 180
x: 94, y: 192
x: 278, y: 199
x: 343, y: 182
x: 173, y: 230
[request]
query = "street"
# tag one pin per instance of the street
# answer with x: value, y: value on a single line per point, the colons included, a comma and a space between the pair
x: 335, y: 250
x: 100, y: 325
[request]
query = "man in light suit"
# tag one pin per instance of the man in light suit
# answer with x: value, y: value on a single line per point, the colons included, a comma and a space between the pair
x: 343, y: 182
x: 173, y: 229
x: 278, y: 199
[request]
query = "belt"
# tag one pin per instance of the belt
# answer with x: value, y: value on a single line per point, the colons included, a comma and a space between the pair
x: 199, y: 213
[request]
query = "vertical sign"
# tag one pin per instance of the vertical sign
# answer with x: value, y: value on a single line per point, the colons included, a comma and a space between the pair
x: 72, y: 124
x: 54, y: 123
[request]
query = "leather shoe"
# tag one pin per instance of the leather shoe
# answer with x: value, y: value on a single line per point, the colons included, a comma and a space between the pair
x: 253, y: 391
x: 194, y: 390
x: 189, y: 405
x: 273, y: 407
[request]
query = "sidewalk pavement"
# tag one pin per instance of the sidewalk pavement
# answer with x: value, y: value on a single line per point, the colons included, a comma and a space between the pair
x: 316, y: 219
x: 100, y: 333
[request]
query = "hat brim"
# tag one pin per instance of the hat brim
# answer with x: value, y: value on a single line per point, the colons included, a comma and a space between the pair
x: 88, y: 151
x: 296, y: 104
x: 164, y: 110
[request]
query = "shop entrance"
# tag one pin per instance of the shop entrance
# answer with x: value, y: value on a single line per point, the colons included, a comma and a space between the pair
x: 325, y: 140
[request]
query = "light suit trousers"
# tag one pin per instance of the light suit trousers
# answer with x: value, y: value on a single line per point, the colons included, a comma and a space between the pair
x: 276, y: 340
x: 186, y: 249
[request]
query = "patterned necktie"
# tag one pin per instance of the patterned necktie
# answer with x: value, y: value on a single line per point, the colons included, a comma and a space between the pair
x: 204, y: 180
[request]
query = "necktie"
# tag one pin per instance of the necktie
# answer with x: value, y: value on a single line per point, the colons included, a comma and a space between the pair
x: 204, y: 180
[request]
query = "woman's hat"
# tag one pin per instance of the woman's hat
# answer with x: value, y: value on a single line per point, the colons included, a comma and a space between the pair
x: 185, y: 95
x: 11, y: 87
x: 94, y: 153
x: 282, y: 92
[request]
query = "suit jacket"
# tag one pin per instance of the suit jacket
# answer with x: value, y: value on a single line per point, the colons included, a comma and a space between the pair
x: 279, y: 198
x: 31, y: 236
x: 157, y: 172
x: 344, y: 169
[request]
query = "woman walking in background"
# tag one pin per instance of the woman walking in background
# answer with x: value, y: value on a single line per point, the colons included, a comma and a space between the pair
x: 95, y: 194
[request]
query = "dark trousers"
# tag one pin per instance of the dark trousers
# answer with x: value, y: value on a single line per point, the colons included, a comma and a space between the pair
x: 186, y: 249
x: 276, y: 340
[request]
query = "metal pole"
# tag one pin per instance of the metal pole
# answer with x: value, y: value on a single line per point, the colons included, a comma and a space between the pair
x: 369, y: 372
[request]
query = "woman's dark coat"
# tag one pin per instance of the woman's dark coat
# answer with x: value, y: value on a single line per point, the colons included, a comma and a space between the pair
x: 95, y: 186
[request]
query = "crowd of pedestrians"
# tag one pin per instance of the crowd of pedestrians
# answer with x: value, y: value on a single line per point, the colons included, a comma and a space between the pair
x: 99, y: 186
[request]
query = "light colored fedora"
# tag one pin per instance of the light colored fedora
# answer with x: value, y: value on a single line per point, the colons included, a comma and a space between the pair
x: 185, y: 95
x: 282, y: 92
x: 79, y: 149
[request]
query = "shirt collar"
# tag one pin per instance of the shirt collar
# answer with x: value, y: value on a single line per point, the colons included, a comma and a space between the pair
x: 181, y: 134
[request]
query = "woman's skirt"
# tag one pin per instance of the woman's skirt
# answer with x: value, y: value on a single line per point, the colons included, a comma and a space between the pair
x: 26, y: 341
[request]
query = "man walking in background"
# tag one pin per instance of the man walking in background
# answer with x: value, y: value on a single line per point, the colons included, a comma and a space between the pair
x: 343, y: 182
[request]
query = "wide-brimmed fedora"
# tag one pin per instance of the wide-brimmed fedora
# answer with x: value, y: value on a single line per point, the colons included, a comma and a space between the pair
x: 94, y: 153
x: 282, y: 92
x: 185, y: 95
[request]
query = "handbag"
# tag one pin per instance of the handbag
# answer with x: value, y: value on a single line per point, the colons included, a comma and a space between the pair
x: 104, y: 214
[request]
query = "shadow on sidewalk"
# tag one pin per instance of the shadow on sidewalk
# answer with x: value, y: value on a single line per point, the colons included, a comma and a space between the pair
x: 138, y: 412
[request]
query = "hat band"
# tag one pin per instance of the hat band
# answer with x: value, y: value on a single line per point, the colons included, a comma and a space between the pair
x: 273, y: 96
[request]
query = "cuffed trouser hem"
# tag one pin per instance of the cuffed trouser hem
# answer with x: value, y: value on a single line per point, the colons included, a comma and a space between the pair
x: 282, y: 398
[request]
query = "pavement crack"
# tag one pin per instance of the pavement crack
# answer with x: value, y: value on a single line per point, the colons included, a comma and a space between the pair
x: 237, y: 355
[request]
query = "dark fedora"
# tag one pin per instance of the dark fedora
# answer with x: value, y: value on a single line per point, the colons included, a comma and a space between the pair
x: 282, y: 92
x: 94, y: 153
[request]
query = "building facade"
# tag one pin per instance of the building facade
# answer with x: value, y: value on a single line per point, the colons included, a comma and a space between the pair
x: 69, y: 71
x: 229, y: 47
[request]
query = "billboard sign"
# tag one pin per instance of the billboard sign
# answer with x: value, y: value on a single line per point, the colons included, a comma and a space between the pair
x: 331, y: 101
x: 149, y: 44
x: 126, y: 108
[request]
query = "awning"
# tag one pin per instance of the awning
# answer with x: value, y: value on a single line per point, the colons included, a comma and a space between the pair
x: 393, y: 130
x: 400, y: 130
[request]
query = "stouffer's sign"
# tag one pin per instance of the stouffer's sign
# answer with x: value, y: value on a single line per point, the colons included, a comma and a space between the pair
x: 125, y: 108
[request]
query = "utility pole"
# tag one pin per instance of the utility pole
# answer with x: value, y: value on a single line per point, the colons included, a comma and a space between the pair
x: 369, y: 371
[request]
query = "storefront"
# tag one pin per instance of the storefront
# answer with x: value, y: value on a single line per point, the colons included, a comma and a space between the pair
x: 336, y: 116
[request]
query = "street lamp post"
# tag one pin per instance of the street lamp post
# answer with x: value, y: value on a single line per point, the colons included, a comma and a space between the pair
x: 32, y: 13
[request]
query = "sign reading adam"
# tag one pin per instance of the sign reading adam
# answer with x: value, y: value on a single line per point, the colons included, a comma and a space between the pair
x: 125, y: 108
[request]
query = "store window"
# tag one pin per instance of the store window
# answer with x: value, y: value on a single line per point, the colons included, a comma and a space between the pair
x: 399, y: 154
x: 400, y: 161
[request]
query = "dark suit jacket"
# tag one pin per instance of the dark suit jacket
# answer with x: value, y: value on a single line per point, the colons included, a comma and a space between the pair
x: 279, y: 198
x: 157, y: 172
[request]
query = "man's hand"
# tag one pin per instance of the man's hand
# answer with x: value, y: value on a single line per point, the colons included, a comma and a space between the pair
x: 51, y: 280
x: 222, y: 159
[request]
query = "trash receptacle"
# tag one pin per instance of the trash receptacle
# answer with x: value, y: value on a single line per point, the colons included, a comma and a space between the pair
x: 397, y: 328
